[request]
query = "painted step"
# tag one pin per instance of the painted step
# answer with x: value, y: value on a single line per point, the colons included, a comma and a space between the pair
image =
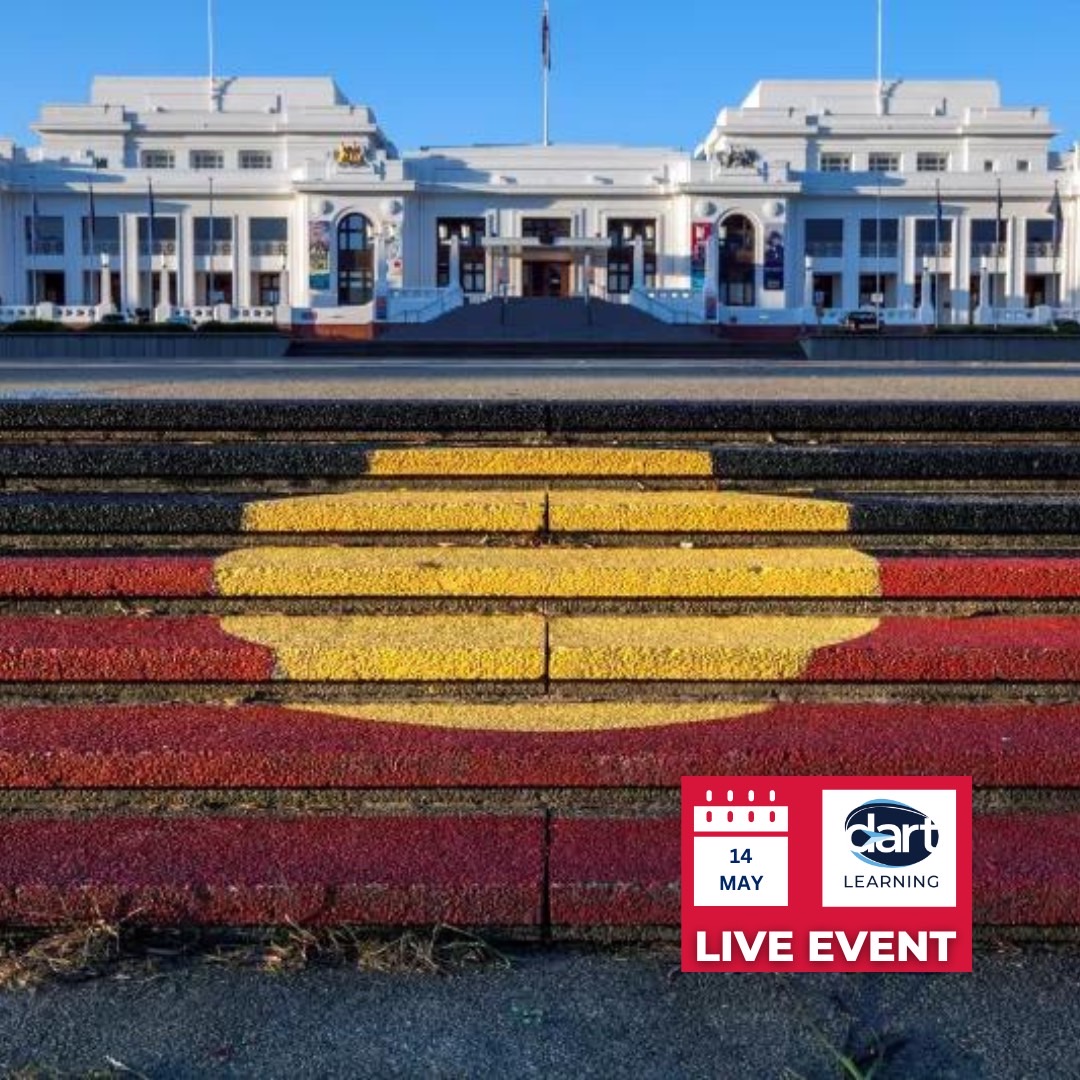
x: 540, y: 743
x: 243, y: 871
x: 524, y: 648
x: 541, y: 573
x: 456, y: 510
x: 222, y: 459
x: 472, y: 870
x: 625, y: 872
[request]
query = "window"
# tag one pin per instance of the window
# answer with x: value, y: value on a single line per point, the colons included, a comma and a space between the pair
x: 207, y: 159
x: 884, y: 162
x: 987, y: 239
x: 932, y: 162
x: 256, y: 159
x: 873, y: 243
x: 989, y: 166
x: 546, y: 230
x: 1023, y: 166
x: 44, y: 235
x: 824, y: 238
x: 355, y: 261
x: 103, y: 237
x: 163, y: 232
x: 622, y: 232
x: 269, y: 236
x: 928, y: 241
x: 836, y: 163
x: 213, y: 236
x: 470, y: 234
x: 158, y: 159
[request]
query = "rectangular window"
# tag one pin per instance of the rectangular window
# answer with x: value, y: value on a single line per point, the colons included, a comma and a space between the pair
x: 824, y: 238
x: 157, y: 159
x: 207, y: 159
x: 622, y: 233
x: 1023, y: 166
x: 269, y: 236
x: 932, y: 162
x: 44, y: 235
x: 256, y: 159
x: 989, y: 166
x: 473, y: 258
x: 928, y: 242
x: 884, y: 162
x: 987, y: 240
x: 221, y: 231
x: 164, y: 235
x: 546, y: 230
x: 872, y: 245
x: 836, y: 163
x: 103, y: 238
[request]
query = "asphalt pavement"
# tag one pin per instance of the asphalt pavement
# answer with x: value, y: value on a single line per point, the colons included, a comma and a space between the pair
x: 554, y: 1013
x: 560, y: 378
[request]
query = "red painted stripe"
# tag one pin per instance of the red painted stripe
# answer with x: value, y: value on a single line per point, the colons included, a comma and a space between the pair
x: 998, y: 648
x: 64, y: 649
x: 92, y: 576
x: 617, y: 872
x: 267, y: 746
x: 957, y: 577
x: 482, y: 870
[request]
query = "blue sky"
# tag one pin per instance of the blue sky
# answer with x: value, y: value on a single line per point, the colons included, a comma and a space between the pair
x: 625, y: 71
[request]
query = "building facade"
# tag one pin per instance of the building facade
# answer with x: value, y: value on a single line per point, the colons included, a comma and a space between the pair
x: 280, y: 199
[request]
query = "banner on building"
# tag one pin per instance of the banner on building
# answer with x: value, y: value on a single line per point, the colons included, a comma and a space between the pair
x: 319, y: 255
x: 700, y: 231
x: 773, y: 280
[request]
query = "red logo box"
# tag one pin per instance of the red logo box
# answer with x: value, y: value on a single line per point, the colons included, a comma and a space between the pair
x: 826, y: 873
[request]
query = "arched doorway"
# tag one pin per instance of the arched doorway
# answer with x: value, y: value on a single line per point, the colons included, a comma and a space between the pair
x: 737, y: 268
x: 355, y: 261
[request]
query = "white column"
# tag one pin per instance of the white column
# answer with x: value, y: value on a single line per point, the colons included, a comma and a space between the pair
x: 808, y: 283
x: 242, y: 249
x: 926, y: 307
x: 105, y: 291
x: 639, y: 263
x: 982, y: 312
x: 586, y: 275
x: 455, y: 262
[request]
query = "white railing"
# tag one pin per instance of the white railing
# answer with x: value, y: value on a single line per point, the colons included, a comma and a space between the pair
x: 17, y: 313
x: 80, y: 313
x: 676, y: 306
x: 421, y: 304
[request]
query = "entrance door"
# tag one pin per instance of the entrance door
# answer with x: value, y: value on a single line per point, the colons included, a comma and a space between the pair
x: 545, y: 277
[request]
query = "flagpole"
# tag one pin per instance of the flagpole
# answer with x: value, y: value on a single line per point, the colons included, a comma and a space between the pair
x: 880, y: 57
x: 937, y: 260
x: 545, y: 34
x: 210, y: 275
x: 997, y: 256
x: 210, y: 48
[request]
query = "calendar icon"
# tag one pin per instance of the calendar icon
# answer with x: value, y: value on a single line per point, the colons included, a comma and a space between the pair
x: 741, y: 851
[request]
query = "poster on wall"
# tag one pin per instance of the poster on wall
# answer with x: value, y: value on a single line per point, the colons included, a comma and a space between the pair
x: 700, y: 231
x: 774, y: 258
x: 319, y: 255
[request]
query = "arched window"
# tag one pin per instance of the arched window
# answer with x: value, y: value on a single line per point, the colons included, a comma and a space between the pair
x: 737, y: 261
x: 355, y: 261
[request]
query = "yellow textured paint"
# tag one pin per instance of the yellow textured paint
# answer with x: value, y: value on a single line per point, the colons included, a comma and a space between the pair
x: 398, y: 648
x: 399, y: 511
x: 548, y: 572
x: 552, y: 461
x: 736, y: 649
x: 692, y: 511
x: 539, y: 715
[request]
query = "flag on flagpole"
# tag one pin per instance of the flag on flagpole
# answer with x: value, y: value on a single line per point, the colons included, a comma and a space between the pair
x: 93, y: 220
x: 940, y: 211
x: 1000, y: 208
x: 1058, y: 215
x: 545, y: 37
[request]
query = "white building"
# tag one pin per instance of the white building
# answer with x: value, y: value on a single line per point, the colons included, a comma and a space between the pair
x: 279, y: 199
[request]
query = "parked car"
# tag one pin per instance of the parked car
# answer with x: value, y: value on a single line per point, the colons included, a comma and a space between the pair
x: 862, y: 321
x: 178, y: 318
x: 113, y: 318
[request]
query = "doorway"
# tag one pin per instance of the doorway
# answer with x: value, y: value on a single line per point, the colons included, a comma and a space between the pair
x: 545, y: 277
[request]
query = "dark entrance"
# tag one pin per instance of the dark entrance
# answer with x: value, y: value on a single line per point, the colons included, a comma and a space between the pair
x: 545, y: 277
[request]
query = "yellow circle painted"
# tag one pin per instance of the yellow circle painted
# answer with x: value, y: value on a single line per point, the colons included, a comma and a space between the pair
x: 548, y: 572
x: 538, y: 716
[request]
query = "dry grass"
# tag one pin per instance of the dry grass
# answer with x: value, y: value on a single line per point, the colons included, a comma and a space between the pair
x: 101, y: 948
x: 80, y: 952
x: 441, y: 951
